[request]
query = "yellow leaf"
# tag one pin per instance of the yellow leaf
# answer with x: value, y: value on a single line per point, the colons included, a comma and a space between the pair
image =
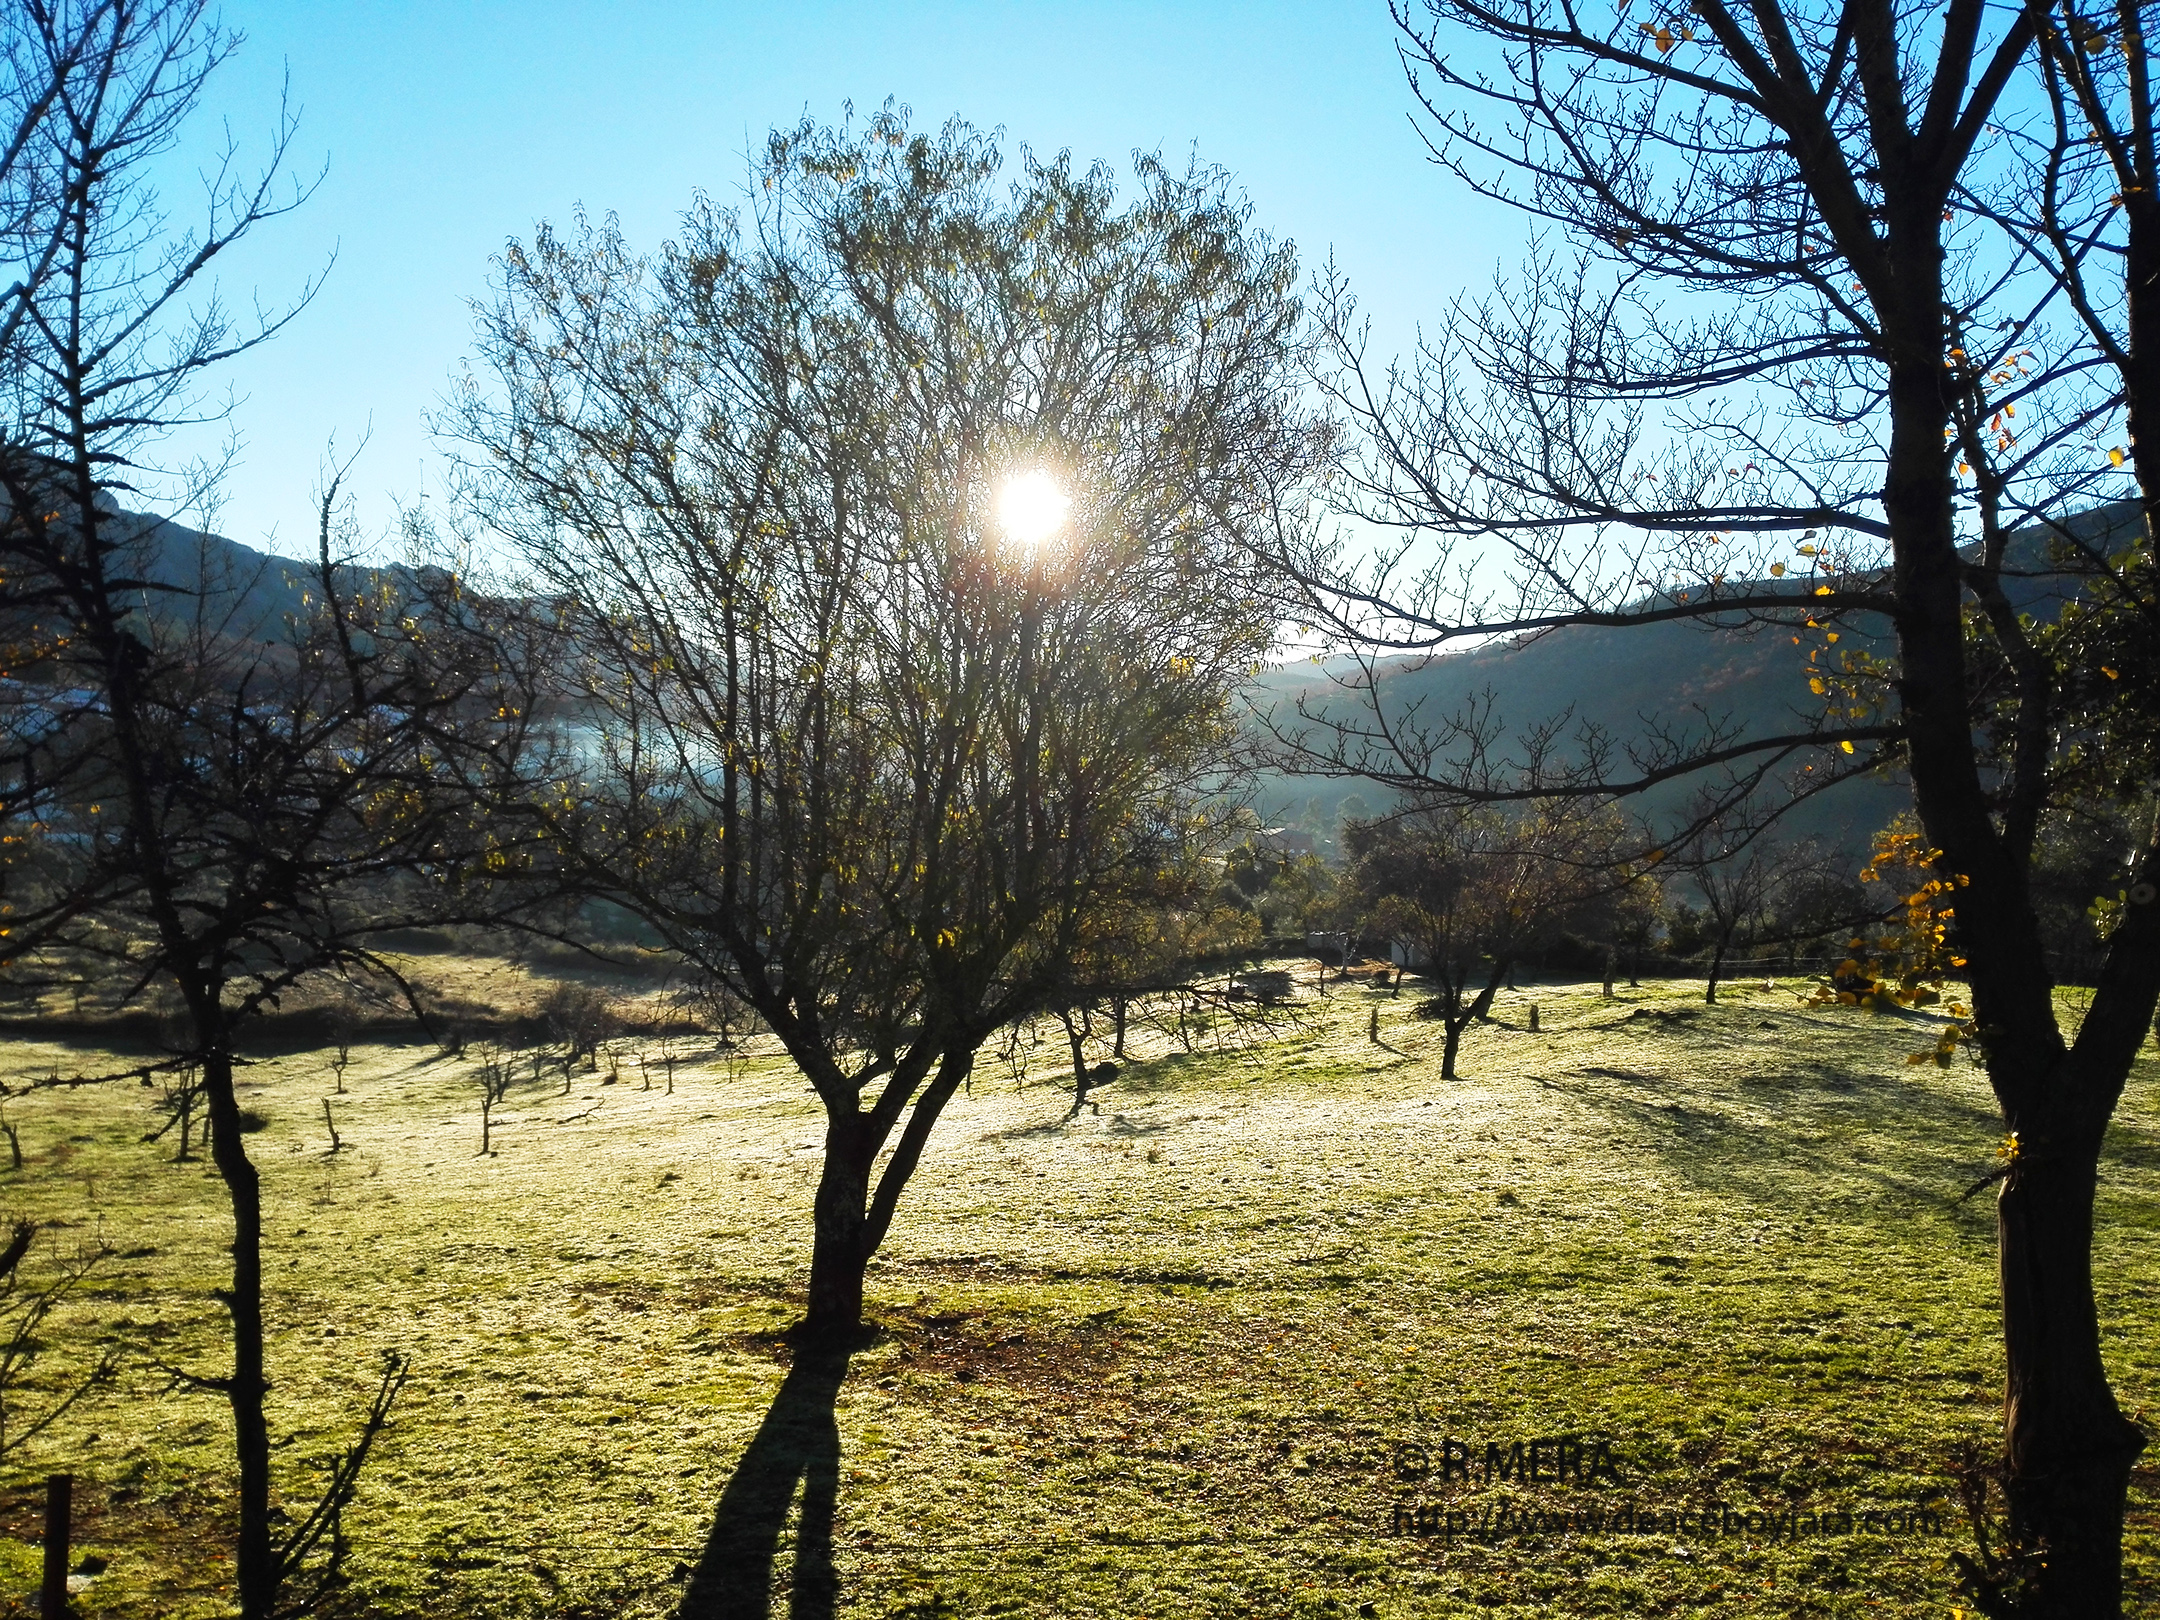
x: 1846, y: 746
x: 2116, y: 457
x: 1777, y: 569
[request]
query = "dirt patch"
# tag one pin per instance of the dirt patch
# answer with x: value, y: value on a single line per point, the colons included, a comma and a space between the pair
x: 982, y: 1347
x: 143, y: 1535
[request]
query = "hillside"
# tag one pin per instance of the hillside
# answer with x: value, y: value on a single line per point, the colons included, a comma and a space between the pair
x: 1156, y: 1361
x: 236, y: 590
x: 1623, y: 681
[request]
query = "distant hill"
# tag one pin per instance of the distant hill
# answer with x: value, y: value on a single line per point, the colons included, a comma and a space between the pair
x: 1617, y: 679
x: 251, y: 593
x: 239, y: 591
x: 1624, y: 679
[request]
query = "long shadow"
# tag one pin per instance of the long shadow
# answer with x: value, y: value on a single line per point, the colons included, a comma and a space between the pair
x: 799, y: 1442
x: 1692, y: 1131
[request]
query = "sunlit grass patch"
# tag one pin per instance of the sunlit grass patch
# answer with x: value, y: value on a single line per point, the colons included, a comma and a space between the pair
x: 1159, y: 1358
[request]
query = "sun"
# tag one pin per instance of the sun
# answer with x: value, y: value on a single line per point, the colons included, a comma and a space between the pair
x: 1031, y: 508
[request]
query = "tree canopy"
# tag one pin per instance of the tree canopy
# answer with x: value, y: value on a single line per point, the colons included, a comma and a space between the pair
x: 867, y: 744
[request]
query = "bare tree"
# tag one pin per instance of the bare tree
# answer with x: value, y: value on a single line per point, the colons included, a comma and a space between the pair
x: 1467, y: 892
x: 494, y: 1075
x: 1805, y: 441
x: 182, y: 1096
x: 902, y: 520
x: 1747, y: 878
x: 227, y: 799
x: 581, y: 1018
x: 89, y: 89
x: 1149, y: 946
x: 258, y: 813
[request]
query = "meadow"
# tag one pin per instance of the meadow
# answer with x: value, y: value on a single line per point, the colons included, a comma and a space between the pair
x: 1199, y: 1352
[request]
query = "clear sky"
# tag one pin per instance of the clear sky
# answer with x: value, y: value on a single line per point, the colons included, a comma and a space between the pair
x: 451, y: 126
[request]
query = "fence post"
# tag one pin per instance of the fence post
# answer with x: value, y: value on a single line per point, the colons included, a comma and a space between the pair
x: 53, y: 1592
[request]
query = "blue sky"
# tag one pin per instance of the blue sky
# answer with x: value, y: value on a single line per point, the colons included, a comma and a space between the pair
x: 449, y: 128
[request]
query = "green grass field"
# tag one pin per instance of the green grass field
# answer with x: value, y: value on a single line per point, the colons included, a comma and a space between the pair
x: 1166, y: 1360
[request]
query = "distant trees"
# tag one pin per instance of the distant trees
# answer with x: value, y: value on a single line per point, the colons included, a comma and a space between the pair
x: 583, y: 1019
x: 1755, y: 887
x: 1630, y: 923
x: 1281, y: 891
x: 1468, y: 891
x: 902, y: 521
x: 1838, y: 309
x: 1142, y: 953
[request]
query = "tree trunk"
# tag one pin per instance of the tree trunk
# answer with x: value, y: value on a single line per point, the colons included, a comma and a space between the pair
x: 255, y: 1572
x: 1717, y: 968
x: 1118, y: 1007
x: 2069, y: 1449
x: 1076, y: 1035
x: 850, y: 1223
x: 1450, y: 1046
x: 839, y: 1254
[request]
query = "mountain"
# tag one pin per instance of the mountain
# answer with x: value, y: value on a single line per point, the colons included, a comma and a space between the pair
x: 249, y: 594
x: 1626, y: 680
x: 1620, y: 680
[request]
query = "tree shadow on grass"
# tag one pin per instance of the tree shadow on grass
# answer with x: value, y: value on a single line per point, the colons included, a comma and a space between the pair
x: 798, y: 1443
x: 1831, y: 1131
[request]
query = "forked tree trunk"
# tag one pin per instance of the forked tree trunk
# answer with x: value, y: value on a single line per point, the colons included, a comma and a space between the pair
x: 851, y: 1215
x: 838, y: 1253
x: 1076, y: 1035
x: 255, y: 1572
x: 1459, y: 1017
x: 1717, y: 969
